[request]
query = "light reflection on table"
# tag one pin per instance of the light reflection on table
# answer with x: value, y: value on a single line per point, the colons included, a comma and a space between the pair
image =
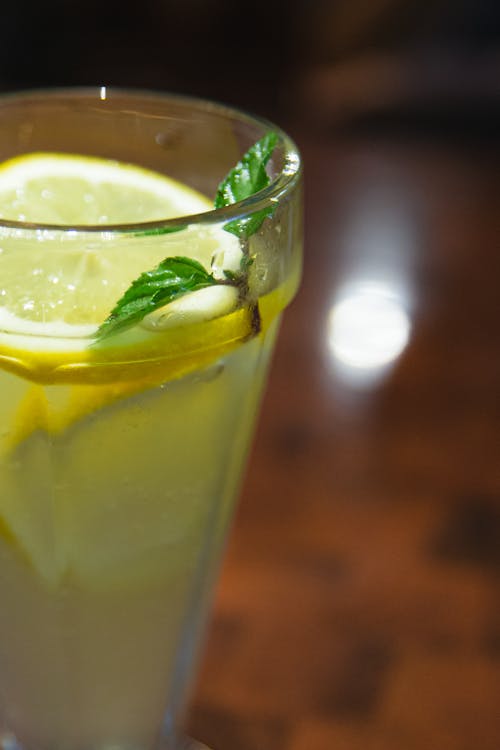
x: 368, y: 327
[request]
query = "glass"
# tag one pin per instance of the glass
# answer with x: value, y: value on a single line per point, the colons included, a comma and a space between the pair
x: 119, y: 471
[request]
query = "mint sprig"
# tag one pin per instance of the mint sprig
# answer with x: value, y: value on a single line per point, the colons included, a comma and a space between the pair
x: 245, y: 179
x: 176, y: 276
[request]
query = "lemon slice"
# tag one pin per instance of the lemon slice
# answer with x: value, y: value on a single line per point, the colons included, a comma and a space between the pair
x: 57, y: 287
x: 64, y: 284
x: 60, y: 189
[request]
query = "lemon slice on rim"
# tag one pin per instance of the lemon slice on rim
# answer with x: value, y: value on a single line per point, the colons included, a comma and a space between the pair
x: 57, y: 286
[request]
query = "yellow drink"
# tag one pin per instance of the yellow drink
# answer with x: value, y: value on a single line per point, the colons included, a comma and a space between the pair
x: 119, y: 466
x: 108, y: 529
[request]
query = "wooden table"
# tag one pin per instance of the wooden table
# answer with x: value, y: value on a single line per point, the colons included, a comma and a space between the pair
x: 359, y: 602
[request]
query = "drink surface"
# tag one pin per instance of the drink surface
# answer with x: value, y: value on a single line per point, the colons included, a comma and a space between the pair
x: 119, y: 462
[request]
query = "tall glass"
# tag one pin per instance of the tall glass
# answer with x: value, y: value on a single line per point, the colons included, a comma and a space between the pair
x: 119, y: 464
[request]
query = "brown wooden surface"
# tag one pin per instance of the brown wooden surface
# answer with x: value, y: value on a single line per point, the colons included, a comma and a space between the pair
x: 358, y: 607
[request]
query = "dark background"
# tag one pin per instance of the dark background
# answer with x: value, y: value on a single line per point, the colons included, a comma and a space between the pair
x: 359, y: 604
x: 260, y: 55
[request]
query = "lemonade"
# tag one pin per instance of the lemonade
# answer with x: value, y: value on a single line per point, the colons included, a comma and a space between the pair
x: 119, y: 460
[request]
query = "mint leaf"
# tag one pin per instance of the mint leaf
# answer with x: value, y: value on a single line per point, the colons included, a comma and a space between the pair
x: 246, y: 178
x: 172, y: 278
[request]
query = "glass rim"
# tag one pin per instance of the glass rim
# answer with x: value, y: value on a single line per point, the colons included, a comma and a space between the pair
x: 279, y: 187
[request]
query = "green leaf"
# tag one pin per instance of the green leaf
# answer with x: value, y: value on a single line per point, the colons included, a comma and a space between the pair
x: 172, y: 278
x: 246, y: 178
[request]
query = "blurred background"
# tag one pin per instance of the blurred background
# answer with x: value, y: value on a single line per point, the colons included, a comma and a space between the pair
x: 359, y: 605
x: 339, y: 58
